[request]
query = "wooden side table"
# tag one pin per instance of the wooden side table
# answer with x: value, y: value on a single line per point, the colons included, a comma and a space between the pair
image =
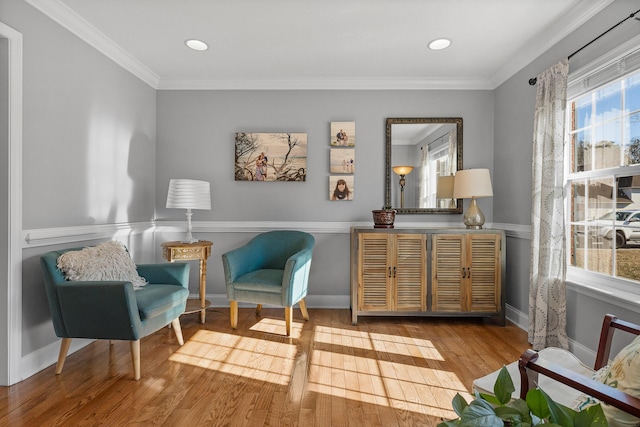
x: 200, y: 250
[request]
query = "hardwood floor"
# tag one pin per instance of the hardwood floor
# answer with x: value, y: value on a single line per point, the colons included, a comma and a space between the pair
x: 382, y: 372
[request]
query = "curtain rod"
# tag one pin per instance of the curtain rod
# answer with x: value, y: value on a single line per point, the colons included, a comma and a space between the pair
x: 534, y: 80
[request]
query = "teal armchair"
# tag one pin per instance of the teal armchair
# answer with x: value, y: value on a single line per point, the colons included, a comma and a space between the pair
x: 272, y: 268
x: 113, y: 310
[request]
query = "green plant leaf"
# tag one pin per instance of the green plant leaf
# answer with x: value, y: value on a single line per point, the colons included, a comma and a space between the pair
x: 490, y: 398
x: 593, y: 416
x: 559, y: 413
x: 522, y: 407
x: 480, y: 413
x: 503, y: 388
x: 509, y: 413
x: 459, y: 404
x: 451, y: 423
x: 537, y: 404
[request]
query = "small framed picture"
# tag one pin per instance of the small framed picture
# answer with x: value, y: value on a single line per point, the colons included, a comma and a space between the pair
x: 341, y: 187
x: 342, y: 160
x: 343, y: 134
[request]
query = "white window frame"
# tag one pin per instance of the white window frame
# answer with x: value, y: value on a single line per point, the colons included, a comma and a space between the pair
x: 611, y: 66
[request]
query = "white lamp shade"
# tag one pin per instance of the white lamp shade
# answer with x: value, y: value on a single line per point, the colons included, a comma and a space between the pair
x: 189, y: 194
x: 472, y: 183
x: 444, y: 188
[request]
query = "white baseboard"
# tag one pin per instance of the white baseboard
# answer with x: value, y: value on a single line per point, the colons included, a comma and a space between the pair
x: 44, y: 357
x: 519, y: 318
x: 312, y: 301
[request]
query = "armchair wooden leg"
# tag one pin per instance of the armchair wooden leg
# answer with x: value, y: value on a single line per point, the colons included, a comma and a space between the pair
x: 175, y: 323
x: 258, y: 309
x: 62, y: 355
x: 287, y: 319
x: 233, y: 311
x: 303, y: 309
x: 135, y: 358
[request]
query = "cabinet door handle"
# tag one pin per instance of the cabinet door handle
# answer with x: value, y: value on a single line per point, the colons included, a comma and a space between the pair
x: 389, y: 272
x: 464, y: 273
x: 469, y: 272
x: 394, y: 272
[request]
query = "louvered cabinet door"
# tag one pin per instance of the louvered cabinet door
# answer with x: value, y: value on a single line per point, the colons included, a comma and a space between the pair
x: 410, y: 272
x: 374, y: 273
x: 484, y: 272
x: 448, y: 269
x: 442, y: 272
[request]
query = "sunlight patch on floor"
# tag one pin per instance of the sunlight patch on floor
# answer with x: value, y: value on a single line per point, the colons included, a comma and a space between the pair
x: 253, y: 358
x: 402, y: 373
x: 415, y: 347
x: 277, y: 327
x: 347, y: 372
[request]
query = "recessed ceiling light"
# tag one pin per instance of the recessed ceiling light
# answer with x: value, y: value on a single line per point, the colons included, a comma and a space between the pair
x: 196, y: 44
x: 439, y: 44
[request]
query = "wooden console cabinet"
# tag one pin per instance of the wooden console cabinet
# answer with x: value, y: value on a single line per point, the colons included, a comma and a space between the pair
x: 427, y: 272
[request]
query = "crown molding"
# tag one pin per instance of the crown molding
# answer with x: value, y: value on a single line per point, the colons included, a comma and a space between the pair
x: 360, y: 83
x: 557, y: 31
x: 73, y: 22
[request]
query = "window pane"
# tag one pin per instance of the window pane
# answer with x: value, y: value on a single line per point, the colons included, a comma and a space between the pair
x: 627, y: 228
x: 578, y: 210
x: 632, y: 128
x: 632, y: 94
x: 581, y: 146
x: 600, y: 198
x: 582, y: 112
x: 577, y: 245
x: 627, y: 263
x: 599, y: 253
x: 607, y: 147
x: 608, y: 102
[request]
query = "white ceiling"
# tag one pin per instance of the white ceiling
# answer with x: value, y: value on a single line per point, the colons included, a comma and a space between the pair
x: 322, y: 44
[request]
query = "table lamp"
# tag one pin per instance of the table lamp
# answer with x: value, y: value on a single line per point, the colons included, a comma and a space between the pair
x: 471, y: 184
x: 189, y: 194
x: 402, y: 171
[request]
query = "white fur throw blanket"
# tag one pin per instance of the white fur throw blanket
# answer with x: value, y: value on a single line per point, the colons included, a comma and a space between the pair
x: 106, y: 261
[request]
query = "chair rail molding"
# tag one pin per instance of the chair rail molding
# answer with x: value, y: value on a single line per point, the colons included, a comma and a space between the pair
x: 58, y: 235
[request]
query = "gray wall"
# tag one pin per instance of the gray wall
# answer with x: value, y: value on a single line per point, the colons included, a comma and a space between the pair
x: 514, y: 109
x: 88, y: 149
x: 89, y: 130
x: 196, y: 140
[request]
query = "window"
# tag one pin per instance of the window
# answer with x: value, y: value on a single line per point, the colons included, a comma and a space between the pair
x: 603, y: 178
x: 438, y: 166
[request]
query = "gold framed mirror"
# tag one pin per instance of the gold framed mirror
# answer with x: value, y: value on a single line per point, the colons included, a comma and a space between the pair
x: 422, y: 155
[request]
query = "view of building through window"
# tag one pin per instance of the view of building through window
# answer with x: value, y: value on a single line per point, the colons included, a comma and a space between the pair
x: 604, y: 179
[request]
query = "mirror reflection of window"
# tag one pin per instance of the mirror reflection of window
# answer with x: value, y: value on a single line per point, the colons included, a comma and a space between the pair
x: 433, y: 148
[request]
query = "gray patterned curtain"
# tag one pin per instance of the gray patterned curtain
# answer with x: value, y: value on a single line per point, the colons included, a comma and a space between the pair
x: 547, y: 302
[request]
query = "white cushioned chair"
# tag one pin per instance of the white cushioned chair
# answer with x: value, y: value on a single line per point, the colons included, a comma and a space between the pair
x: 560, y: 374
